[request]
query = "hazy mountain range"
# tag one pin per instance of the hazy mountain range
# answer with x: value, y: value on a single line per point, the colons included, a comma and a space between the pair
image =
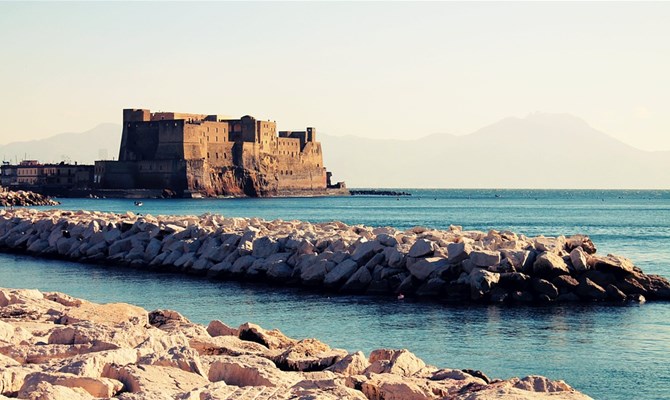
x: 538, y: 151
x: 101, y: 142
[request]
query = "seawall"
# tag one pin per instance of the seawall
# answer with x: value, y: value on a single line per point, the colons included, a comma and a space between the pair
x: 447, y: 265
x: 53, y: 346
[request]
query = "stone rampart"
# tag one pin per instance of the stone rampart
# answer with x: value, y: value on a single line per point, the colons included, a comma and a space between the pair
x: 449, y: 265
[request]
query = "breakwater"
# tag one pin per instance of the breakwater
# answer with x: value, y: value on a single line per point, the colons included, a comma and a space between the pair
x: 59, y: 347
x: 20, y: 198
x: 377, y: 192
x: 452, y: 265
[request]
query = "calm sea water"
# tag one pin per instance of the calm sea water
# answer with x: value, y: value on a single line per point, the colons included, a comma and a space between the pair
x: 608, y: 352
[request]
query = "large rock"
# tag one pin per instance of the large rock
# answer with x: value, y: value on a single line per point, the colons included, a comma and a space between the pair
x: 315, y: 273
x: 352, y: 364
x: 264, y: 247
x: 247, y: 371
x: 272, y: 339
x: 279, y: 272
x: 340, y: 274
x: 565, y: 284
x: 485, y: 258
x: 613, y: 264
x: 398, y: 362
x: 578, y: 259
x: 544, y: 287
x: 93, y: 364
x: 550, y: 244
x: 358, y: 282
x: 154, y: 379
x: 365, y: 250
x: 481, y: 282
x: 218, y: 328
x: 550, y: 265
x: 589, y: 290
x: 421, y: 248
x: 395, y: 387
x: 458, y: 252
x: 96, y: 387
x: 184, y: 358
x: 424, y: 267
x: 308, y: 355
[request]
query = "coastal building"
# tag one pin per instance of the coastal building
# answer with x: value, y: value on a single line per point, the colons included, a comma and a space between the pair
x: 198, y: 154
x: 46, y: 178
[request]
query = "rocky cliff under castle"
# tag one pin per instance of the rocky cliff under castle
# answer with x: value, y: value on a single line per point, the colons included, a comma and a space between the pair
x: 211, y: 155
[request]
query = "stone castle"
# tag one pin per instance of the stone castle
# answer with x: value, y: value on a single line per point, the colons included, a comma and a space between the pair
x: 211, y: 155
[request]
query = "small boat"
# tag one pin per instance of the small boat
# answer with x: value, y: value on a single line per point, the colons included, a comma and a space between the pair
x: 139, y: 203
x: 401, y: 296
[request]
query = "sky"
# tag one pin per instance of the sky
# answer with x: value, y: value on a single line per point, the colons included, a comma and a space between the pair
x: 378, y: 69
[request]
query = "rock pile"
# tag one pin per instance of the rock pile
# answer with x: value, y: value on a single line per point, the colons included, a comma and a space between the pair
x: 53, y: 346
x: 451, y: 265
x: 22, y: 198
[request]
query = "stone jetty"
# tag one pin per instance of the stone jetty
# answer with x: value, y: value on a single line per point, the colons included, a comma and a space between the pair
x: 53, y: 346
x: 449, y: 265
x: 20, y: 198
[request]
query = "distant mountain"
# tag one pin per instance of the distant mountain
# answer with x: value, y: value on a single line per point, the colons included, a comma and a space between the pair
x: 101, y: 142
x: 539, y: 151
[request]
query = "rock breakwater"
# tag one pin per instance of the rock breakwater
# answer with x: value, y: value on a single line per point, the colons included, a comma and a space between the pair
x: 53, y: 346
x: 451, y: 265
x: 9, y: 198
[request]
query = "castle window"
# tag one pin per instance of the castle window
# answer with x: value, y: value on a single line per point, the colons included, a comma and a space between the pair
x: 217, y: 155
x: 224, y: 155
x: 208, y: 154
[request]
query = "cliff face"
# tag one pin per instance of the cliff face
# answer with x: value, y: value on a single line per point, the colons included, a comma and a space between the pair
x: 258, y: 175
x: 238, y: 181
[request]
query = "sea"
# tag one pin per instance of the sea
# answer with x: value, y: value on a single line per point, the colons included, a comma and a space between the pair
x: 607, y: 351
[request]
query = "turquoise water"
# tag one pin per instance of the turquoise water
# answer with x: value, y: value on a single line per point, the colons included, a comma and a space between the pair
x: 608, y: 352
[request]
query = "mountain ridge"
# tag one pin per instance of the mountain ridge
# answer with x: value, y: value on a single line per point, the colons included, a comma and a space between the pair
x: 541, y: 150
x: 82, y: 147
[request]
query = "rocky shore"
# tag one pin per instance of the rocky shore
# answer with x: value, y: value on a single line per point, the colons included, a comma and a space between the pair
x: 53, y: 346
x: 22, y: 198
x: 448, y: 265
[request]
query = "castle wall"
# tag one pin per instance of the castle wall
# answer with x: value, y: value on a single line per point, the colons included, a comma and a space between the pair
x: 115, y: 174
x: 170, y: 140
x: 161, y: 174
x: 200, y: 153
x: 300, y: 170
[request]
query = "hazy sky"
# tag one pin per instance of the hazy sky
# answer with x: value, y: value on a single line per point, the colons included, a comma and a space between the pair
x: 370, y: 69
